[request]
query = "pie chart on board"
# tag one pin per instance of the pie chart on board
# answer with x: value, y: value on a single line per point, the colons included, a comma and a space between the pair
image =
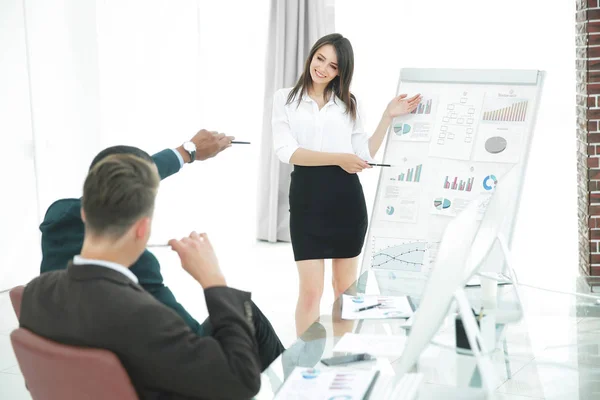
x: 441, y: 203
x: 389, y: 210
x: 495, y: 144
x: 402, y: 129
x: 490, y: 182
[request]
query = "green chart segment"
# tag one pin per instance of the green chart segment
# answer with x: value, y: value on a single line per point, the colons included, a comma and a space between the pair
x: 402, y: 129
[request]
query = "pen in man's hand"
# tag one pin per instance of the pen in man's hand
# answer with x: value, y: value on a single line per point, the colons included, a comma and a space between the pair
x: 369, y: 307
x: 157, y: 245
x: 238, y: 142
x: 379, y: 165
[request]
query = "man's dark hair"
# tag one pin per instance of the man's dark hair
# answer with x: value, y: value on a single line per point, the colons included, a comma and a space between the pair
x: 121, y: 149
x: 118, y: 191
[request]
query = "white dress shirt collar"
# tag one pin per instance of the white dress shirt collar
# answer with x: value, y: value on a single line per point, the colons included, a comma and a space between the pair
x: 333, y: 99
x: 78, y: 260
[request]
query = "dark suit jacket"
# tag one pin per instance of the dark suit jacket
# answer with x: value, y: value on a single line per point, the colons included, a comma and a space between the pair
x: 62, y: 238
x: 93, y: 306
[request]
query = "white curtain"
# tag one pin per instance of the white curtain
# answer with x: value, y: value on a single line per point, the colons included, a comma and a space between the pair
x: 295, y: 25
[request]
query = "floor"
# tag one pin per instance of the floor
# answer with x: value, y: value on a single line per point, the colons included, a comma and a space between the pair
x: 268, y: 271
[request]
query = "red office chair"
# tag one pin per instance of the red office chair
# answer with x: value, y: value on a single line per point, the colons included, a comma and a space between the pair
x: 55, y: 371
x: 16, y: 295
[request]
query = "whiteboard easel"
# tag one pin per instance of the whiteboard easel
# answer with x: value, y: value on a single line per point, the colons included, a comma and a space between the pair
x: 496, y: 111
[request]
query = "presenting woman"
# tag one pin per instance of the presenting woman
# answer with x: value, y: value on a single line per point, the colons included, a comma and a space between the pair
x: 317, y: 127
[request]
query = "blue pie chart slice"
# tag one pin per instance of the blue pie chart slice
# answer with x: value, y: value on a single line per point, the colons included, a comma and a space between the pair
x: 402, y: 129
x: 441, y: 203
x: 490, y: 182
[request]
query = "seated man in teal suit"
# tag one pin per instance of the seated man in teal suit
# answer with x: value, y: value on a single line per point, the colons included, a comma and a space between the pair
x: 63, y: 232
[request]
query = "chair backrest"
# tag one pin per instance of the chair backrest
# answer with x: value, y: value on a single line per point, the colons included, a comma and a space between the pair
x: 16, y: 295
x: 55, y: 371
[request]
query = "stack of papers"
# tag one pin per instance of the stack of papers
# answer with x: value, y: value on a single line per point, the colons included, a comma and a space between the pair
x: 353, y: 307
x: 326, y: 384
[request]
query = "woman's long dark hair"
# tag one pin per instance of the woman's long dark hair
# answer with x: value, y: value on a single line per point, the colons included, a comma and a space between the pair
x: 340, y: 85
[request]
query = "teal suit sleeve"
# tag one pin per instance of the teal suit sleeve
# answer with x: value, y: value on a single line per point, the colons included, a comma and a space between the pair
x: 167, y: 163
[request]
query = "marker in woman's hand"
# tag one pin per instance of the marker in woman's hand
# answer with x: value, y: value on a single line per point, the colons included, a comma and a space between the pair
x: 379, y: 165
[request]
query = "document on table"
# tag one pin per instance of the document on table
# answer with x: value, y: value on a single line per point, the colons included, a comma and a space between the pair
x: 389, y: 307
x: 377, y: 345
x: 327, y: 384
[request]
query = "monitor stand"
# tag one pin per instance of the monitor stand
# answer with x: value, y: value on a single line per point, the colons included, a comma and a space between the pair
x: 482, y: 354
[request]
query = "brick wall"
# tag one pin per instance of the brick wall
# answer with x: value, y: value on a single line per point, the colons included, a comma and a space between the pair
x: 588, y: 134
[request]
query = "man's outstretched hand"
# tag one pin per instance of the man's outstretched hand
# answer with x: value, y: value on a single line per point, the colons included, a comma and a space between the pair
x: 208, y: 144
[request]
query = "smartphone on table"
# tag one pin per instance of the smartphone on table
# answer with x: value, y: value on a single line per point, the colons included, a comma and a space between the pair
x: 339, y: 360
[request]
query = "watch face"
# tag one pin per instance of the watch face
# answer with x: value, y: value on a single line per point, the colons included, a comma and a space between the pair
x: 189, y: 146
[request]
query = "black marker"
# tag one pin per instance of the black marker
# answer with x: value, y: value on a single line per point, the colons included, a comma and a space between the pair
x: 379, y: 165
x: 237, y: 142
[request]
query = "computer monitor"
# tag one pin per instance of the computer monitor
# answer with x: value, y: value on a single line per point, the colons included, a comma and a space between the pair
x: 447, y: 275
x: 486, y: 254
x: 464, y: 246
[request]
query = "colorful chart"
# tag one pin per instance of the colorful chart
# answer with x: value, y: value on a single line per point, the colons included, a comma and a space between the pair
x: 455, y: 184
x: 424, y: 107
x: 490, y: 182
x: 411, y: 175
x: 389, y: 210
x: 516, y: 112
x: 402, y: 129
x: 310, y: 373
x: 441, y: 203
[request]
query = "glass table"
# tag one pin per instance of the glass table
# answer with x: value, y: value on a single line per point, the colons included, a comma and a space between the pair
x: 542, y: 344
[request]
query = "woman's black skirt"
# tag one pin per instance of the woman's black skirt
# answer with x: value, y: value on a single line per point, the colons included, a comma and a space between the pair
x: 328, y: 214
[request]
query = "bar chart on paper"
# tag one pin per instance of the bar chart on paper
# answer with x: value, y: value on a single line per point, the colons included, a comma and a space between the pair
x: 411, y: 175
x: 424, y: 107
x: 460, y: 185
x: 500, y: 111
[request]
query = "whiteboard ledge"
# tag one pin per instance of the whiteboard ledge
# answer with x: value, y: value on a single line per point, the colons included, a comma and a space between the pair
x: 489, y: 76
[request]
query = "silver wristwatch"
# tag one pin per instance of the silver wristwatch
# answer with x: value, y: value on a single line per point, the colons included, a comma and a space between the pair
x: 190, y: 148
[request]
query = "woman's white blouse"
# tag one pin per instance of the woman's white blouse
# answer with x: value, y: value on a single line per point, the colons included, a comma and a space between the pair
x: 326, y: 130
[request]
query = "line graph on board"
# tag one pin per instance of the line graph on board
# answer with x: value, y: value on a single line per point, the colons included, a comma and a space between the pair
x: 398, y: 254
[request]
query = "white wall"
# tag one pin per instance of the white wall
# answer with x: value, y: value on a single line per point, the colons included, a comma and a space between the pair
x: 64, y: 89
x: 145, y: 73
x: 150, y: 73
x: 388, y: 35
x: 19, y: 239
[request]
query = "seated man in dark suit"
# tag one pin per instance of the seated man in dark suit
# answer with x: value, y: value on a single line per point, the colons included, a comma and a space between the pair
x: 97, y: 301
x: 63, y: 231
